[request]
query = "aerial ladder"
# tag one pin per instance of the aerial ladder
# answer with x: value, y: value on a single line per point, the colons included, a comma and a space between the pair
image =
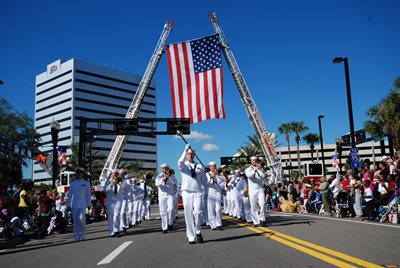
x: 250, y: 106
x: 134, y: 109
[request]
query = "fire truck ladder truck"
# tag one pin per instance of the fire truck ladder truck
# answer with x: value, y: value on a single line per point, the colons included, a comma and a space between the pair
x: 133, y: 111
x: 250, y: 106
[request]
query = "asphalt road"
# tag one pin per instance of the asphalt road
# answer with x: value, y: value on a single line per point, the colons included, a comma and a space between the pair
x: 291, y: 240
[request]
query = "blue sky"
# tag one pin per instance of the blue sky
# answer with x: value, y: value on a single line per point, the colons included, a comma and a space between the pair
x: 284, y: 49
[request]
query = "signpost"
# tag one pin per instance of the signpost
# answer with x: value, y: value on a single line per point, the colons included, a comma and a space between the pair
x: 354, y: 158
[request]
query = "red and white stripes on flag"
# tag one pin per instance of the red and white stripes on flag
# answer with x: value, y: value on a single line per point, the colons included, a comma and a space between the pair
x: 195, y: 71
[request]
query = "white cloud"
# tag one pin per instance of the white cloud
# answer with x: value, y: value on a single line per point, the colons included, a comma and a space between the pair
x: 197, y: 136
x: 209, y: 147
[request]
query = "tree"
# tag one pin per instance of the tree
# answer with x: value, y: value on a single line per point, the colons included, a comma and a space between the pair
x: 385, y: 117
x: 298, y: 127
x: 18, y: 128
x: 311, y: 139
x: 98, y: 160
x: 252, y: 147
x: 286, y: 129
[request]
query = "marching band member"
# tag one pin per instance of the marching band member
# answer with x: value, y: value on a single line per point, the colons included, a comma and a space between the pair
x: 148, y: 194
x: 244, y: 198
x: 193, y: 182
x: 166, y: 183
x: 235, y: 194
x: 138, y: 194
x: 256, y: 178
x: 126, y: 192
x: 114, y: 200
x: 79, y: 197
x: 215, y: 183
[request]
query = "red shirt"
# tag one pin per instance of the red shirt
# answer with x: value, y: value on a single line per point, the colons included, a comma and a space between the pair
x: 345, y: 184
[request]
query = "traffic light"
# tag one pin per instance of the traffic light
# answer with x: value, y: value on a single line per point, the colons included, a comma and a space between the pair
x: 226, y: 160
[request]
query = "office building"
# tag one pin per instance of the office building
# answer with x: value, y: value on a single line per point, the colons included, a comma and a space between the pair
x: 72, y: 89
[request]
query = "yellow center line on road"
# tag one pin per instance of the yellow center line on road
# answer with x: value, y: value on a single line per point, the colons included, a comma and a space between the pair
x: 300, y: 245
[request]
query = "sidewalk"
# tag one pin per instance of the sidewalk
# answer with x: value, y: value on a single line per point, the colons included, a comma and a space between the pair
x: 8, y: 243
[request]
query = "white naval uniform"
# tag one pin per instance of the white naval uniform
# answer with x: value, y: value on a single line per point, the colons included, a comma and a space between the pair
x: 79, y: 197
x: 115, y: 205
x: 145, y: 214
x: 215, y: 184
x: 166, y: 192
x: 245, y: 203
x: 192, y: 194
x: 126, y: 192
x: 138, y: 194
x: 235, y: 197
x: 256, y: 180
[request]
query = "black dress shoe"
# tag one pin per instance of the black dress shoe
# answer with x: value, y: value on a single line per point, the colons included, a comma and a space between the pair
x: 164, y: 231
x: 199, y: 238
x: 220, y: 228
x: 192, y: 242
x: 256, y: 225
x: 170, y: 228
x: 125, y: 230
x: 213, y: 229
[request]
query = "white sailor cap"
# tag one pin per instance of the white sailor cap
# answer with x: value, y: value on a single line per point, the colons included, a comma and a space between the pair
x: 115, y: 170
x: 212, y: 163
x: 384, y: 158
x: 254, y: 158
x: 191, y: 150
x: 237, y: 170
x: 164, y: 166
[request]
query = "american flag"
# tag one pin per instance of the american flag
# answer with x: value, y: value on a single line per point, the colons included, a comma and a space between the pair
x: 195, y: 71
x: 335, y: 161
x: 62, y: 155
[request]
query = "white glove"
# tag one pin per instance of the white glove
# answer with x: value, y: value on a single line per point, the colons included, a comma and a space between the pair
x: 187, y: 147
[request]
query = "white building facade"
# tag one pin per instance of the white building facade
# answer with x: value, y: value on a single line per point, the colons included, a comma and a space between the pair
x: 72, y: 89
x: 368, y: 150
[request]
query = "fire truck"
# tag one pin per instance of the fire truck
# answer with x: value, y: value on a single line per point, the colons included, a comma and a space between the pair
x: 313, y: 172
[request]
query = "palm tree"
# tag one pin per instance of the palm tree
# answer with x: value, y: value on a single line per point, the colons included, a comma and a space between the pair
x: 98, y: 160
x: 286, y: 129
x: 385, y: 117
x: 298, y: 127
x: 311, y: 139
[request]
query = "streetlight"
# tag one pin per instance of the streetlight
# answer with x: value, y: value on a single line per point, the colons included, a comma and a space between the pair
x: 55, y: 129
x: 349, y: 103
x: 322, y: 143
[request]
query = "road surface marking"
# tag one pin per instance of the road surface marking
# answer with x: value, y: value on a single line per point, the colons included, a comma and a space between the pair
x: 299, y: 245
x: 115, y: 253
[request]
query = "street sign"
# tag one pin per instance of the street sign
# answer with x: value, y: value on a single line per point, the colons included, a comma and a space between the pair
x: 355, y: 165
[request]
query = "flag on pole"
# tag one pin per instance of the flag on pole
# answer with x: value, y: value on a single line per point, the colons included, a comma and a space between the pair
x: 195, y: 71
x: 62, y: 155
x: 335, y: 161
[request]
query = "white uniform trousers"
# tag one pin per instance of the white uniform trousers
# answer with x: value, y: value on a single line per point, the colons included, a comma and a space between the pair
x: 130, y: 212
x: 225, y: 199
x: 117, y: 217
x: 110, y: 216
x: 166, y: 205
x: 257, y: 196
x: 193, y: 213
x: 246, y: 209
x: 237, y: 208
x: 124, y: 208
x: 137, y: 211
x: 228, y: 208
x: 79, y: 218
x: 204, y: 209
x: 146, y: 209
x: 214, y: 210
